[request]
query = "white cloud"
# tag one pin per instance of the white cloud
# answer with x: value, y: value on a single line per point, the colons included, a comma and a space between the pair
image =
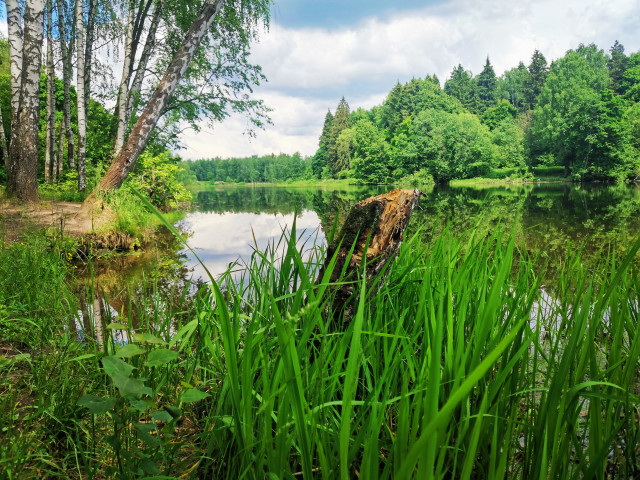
x: 310, y: 69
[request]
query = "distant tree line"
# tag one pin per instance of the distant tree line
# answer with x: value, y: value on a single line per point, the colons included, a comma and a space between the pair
x: 268, y: 168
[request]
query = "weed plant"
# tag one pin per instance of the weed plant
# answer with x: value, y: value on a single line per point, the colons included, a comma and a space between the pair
x: 460, y: 364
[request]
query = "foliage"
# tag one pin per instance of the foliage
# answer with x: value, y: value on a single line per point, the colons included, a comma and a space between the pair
x: 268, y: 168
x: 579, y: 120
x: 461, y: 364
x: 156, y: 177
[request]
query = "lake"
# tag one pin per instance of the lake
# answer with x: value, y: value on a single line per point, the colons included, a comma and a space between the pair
x: 229, y: 222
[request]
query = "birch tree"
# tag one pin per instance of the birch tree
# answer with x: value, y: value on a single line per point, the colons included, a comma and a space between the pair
x: 80, y: 91
x: 247, y: 11
x: 66, y: 53
x: 123, y: 90
x: 50, y: 159
x: 23, y: 149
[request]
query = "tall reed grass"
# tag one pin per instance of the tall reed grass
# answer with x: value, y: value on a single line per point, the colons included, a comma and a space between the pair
x: 460, y: 364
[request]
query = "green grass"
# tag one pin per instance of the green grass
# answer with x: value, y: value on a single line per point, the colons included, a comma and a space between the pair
x: 453, y: 369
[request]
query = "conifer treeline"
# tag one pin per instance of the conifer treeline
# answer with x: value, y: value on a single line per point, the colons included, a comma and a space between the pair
x: 580, y: 114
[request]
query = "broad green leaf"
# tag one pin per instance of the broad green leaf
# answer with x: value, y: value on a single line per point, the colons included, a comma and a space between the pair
x: 193, y: 395
x: 117, y: 326
x: 149, y: 467
x: 96, y: 405
x: 184, y: 333
x: 148, y: 338
x: 175, y: 412
x: 144, y: 427
x: 161, y: 416
x: 139, y: 405
x: 127, y: 385
x: 82, y: 357
x: 116, y: 366
x: 160, y: 356
x: 130, y: 350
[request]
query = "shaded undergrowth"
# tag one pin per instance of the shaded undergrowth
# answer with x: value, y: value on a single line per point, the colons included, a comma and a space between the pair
x: 462, y: 365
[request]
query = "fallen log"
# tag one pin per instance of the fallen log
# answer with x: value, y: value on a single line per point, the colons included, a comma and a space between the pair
x: 373, y: 231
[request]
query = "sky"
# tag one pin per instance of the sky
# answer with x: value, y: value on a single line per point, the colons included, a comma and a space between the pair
x: 317, y: 51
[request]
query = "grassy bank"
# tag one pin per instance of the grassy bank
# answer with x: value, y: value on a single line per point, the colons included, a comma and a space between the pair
x: 461, y: 365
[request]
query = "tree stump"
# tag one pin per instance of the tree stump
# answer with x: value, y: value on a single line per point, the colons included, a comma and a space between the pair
x: 376, y: 224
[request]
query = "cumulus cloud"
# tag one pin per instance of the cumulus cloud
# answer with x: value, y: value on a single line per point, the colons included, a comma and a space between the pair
x: 310, y: 69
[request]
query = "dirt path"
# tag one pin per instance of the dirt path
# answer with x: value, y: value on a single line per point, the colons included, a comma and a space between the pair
x: 15, y: 219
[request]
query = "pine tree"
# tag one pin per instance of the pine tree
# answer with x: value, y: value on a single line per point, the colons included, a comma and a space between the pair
x: 534, y: 82
x: 341, y: 120
x: 319, y: 161
x: 485, y: 91
x: 617, y: 64
x: 460, y: 85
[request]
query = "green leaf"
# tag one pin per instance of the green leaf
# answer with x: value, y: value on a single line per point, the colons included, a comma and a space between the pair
x: 96, y: 405
x: 148, y: 338
x: 128, y: 385
x: 160, y: 356
x: 139, y: 405
x: 175, y: 412
x: 193, y: 395
x: 117, y: 326
x: 130, y: 350
x: 161, y: 416
x: 116, y: 366
x: 149, y: 467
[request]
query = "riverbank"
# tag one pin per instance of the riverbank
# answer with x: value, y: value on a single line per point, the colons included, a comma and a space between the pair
x: 124, y: 223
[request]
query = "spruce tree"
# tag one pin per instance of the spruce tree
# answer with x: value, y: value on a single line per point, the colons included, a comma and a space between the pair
x: 319, y: 161
x: 534, y: 82
x: 460, y: 85
x: 617, y: 64
x: 485, y: 92
x: 341, y: 120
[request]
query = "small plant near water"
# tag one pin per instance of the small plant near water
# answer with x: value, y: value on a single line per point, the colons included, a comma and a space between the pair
x: 461, y: 364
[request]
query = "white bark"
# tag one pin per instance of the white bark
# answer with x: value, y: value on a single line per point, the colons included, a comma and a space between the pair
x: 126, y: 159
x: 14, y: 28
x: 24, y: 150
x: 50, y: 170
x: 136, y: 86
x: 80, y: 91
x: 66, y: 78
x: 123, y: 91
x: 3, y: 140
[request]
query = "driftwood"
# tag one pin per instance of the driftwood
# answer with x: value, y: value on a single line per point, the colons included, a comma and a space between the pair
x: 376, y: 224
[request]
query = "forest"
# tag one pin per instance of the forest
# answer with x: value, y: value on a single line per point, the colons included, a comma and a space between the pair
x: 58, y: 73
x: 578, y: 116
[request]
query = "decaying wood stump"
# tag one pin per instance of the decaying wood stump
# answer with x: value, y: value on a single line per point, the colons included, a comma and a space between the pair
x: 379, y: 221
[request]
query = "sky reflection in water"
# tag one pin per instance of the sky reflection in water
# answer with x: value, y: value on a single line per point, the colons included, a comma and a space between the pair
x: 222, y: 239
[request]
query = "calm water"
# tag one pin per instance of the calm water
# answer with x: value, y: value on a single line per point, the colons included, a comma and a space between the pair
x: 228, y: 223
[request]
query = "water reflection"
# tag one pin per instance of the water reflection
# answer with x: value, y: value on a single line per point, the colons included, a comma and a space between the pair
x: 228, y: 223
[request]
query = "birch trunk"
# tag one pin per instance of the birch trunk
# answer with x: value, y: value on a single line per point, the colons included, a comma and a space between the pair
x: 66, y: 79
x: 60, y: 149
x: 126, y: 159
x: 23, y: 152
x: 50, y: 172
x: 123, y: 91
x: 14, y: 29
x: 88, y: 52
x: 3, y: 139
x: 80, y: 91
x: 136, y: 86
